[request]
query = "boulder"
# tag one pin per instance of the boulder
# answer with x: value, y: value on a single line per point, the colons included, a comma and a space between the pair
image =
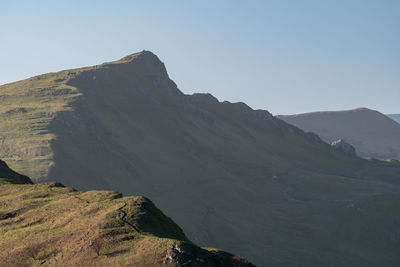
x: 344, y: 147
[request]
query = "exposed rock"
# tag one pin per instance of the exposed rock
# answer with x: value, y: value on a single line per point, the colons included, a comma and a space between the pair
x: 344, y: 147
x: 187, y: 254
x: 176, y: 255
x: 54, y: 184
x: 16, y: 110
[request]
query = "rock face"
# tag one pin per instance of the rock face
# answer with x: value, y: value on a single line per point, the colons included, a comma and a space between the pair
x: 232, y: 177
x: 344, y: 147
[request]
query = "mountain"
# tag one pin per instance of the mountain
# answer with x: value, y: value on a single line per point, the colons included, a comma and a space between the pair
x: 395, y: 117
x: 232, y: 177
x: 52, y: 225
x: 370, y: 132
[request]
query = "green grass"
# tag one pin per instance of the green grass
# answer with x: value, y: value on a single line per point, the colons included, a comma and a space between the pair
x: 53, y: 225
x: 27, y: 108
x: 49, y: 224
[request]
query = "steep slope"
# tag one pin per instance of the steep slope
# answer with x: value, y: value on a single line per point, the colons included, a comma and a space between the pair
x: 395, y: 117
x: 51, y: 225
x: 370, y: 132
x: 9, y: 176
x: 232, y: 177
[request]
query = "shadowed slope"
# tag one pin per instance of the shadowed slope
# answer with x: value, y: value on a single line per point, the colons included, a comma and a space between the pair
x: 9, y: 176
x: 232, y: 177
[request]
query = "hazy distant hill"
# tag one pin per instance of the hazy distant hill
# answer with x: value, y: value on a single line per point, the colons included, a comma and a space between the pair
x: 395, y: 117
x: 232, y: 177
x: 52, y: 225
x: 370, y: 132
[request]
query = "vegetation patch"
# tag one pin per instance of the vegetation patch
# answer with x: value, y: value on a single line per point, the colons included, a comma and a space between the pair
x: 51, y: 225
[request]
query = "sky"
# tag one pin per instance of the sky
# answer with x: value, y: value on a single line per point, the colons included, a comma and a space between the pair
x: 283, y: 56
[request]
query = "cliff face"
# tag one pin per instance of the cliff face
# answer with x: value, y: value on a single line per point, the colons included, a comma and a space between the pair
x: 232, y: 177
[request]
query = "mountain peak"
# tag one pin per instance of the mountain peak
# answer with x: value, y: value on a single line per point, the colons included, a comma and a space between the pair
x: 362, y: 109
x: 144, y: 63
x: 145, y: 54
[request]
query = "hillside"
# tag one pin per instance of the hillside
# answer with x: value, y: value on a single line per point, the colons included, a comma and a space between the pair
x: 9, y: 176
x: 232, y: 177
x: 395, y: 117
x: 370, y: 132
x: 52, y: 225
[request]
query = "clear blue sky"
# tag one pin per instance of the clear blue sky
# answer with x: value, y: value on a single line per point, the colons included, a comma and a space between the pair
x: 283, y: 56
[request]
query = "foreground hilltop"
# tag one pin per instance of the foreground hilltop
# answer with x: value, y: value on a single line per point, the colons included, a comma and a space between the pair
x: 52, y: 225
x: 372, y: 133
x: 232, y: 177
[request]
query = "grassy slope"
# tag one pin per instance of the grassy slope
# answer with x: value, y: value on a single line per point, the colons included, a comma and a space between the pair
x: 232, y: 177
x: 26, y: 110
x: 51, y: 225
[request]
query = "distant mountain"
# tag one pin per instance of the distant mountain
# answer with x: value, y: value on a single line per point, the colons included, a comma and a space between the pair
x: 395, y: 117
x: 52, y: 225
x: 233, y: 177
x: 370, y: 132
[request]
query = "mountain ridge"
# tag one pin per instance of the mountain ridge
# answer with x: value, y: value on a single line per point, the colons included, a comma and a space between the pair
x: 369, y: 131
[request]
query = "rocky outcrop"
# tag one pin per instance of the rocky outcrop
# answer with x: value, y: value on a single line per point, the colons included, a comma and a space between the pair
x: 344, y: 147
x: 187, y: 254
